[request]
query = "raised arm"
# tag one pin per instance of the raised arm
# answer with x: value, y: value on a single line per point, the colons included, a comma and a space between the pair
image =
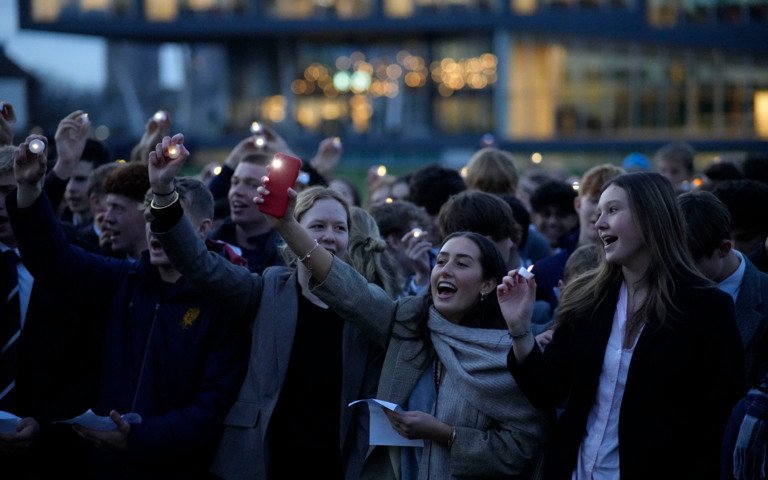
x: 70, y: 137
x: 517, y: 295
x: 7, y: 123
x: 157, y: 127
x: 317, y: 259
x: 42, y: 242
x: 232, y: 284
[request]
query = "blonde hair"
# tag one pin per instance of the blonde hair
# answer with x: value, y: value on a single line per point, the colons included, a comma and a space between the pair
x: 304, y: 202
x: 493, y: 171
x: 368, y: 252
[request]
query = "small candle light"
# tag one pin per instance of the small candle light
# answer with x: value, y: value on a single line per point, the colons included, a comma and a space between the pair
x: 417, y: 232
x: 160, y: 116
x: 84, y: 117
x: 381, y: 170
x: 525, y: 272
x: 336, y: 142
x: 36, y: 146
x: 256, y: 128
x: 173, y: 151
x: 260, y: 141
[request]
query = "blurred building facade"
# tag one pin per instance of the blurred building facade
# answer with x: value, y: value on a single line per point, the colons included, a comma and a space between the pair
x: 436, y: 78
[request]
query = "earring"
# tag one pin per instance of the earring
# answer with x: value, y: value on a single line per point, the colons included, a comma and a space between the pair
x: 482, y: 296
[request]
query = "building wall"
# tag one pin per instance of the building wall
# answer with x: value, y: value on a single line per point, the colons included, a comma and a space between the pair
x: 432, y: 77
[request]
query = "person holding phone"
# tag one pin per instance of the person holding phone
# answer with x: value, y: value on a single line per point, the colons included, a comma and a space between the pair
x: 645, y: 353
x: 306, y: 364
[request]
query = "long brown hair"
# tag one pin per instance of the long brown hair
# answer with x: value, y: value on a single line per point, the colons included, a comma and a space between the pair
x: 658, y: 217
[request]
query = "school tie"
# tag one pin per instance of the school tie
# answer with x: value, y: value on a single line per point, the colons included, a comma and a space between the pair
x: 10, y: 328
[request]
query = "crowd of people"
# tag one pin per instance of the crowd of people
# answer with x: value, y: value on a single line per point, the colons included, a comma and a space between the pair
x: 526, y: 325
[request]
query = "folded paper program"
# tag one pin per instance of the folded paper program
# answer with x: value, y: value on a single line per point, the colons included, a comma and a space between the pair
x: 95, y: 422
x: 381, y: 431
x: 8, y: 423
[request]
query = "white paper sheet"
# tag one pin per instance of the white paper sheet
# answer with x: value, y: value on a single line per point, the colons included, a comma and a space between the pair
x: 8, y: 422
x: 95, y: 422
x: 380, y: 430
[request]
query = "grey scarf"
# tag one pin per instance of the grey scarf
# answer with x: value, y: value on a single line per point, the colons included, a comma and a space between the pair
x: 477, y: 358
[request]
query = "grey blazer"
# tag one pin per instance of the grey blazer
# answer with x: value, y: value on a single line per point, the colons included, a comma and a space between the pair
x: 272, y: 301
x: 752, y: 319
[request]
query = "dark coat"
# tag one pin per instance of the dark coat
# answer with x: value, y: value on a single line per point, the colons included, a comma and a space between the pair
x: 170, y: 353
x: 683, y: 381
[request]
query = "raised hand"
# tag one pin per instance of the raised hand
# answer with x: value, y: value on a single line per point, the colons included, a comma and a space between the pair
x: 30, y: 167
x: 163, y: 168
x: 7, y: 123
x: 274, y: 222
x: 328, y: 155
x: 516, y: 296
x: 157, y: 127
x: 70, y: 137
x: 246, y: 147
x: 417, y: 248
x: 276, y: 142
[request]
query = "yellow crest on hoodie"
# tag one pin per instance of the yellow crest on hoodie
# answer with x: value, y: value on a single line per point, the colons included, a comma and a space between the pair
x: 189, y: 317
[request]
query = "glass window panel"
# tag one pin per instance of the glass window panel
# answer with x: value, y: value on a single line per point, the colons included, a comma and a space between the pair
x: 48, y: 10
x: 535, y: 74
x: 407, y: 8
x: 305, y: 9
x: 161, y: 10
x: 662, y: 13
x: 761, y: 113
x: 362, y: 88
x: 524, y: 7
x: 463, y: 72
x: 97, y: 5
x: 698, y: 11
x: 581, y: 96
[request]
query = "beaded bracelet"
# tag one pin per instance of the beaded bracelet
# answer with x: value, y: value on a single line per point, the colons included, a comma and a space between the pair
x: 519, y: 335
x: 309, y: 253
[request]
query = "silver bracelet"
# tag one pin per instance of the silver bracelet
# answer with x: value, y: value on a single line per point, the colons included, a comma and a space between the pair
x: 309, y: 253
x: 174, y: 198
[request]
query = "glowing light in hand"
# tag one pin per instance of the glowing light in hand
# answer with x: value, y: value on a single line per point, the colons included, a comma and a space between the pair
x: 173, y: 151
x: 36, y: 146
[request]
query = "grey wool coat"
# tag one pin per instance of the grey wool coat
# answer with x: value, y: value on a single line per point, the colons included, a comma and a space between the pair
x: 484, y: 447
x: 271, y: 300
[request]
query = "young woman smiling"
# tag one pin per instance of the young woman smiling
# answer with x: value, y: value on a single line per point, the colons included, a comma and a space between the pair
x: 646, y: 350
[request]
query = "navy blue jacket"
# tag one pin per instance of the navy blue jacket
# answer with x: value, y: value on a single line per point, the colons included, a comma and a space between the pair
x: 169, y: 352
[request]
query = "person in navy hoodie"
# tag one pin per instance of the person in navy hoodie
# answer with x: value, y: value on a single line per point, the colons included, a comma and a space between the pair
x: 170, y: 353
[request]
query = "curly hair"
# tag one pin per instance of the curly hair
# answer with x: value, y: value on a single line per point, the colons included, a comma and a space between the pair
x: 130, y: 180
